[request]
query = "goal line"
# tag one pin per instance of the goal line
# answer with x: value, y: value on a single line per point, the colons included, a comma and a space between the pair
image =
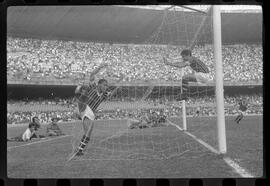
x: 235, y: 166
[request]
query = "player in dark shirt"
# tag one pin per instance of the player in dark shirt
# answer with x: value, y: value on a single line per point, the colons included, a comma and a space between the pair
x: 242, y: 110
x: 200, y: 72
x: 197, y: 112
x: 88, y: 99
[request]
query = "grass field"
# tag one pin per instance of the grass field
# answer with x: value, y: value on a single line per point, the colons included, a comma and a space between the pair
x: 47, y: 158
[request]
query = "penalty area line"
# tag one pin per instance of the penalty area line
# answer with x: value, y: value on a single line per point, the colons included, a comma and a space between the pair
x: 235, y: 166
x: 36, y: 142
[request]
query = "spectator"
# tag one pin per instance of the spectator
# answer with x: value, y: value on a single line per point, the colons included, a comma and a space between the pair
x: 27, y: 135
x: 53, y: 128
x: 31, y: 59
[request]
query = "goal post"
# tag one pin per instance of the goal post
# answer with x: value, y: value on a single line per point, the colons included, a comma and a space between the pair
x: 184, y: 115
x: 184, y: 118
x: 221, y: 130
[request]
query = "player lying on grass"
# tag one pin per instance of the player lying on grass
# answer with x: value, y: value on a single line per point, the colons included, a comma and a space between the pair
x: 27, y: 135
x: 53, y: 129
x: 200, y: 72
x: 242, y: 110
x: 88, y: 99
x: 148, y: 120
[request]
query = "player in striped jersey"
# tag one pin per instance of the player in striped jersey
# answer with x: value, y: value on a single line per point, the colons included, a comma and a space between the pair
x: 88, y: 99
x: 200, y: 72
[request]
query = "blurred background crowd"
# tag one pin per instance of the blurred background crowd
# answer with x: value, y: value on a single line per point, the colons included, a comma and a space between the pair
x: 70, y: 60
x: 64, y: 109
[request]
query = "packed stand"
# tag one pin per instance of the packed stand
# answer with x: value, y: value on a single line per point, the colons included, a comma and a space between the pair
x: 32, y: 59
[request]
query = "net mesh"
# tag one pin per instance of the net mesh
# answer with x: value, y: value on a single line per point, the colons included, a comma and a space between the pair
x: 121, y: 130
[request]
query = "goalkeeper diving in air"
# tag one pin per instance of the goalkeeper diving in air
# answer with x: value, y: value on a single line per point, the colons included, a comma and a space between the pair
x: 88, y: 99
x: 200, y: 72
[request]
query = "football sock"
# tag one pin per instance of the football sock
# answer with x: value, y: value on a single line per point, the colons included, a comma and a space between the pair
x: 83, y: 143
x: 240, y: 118
x: 184, y: 85
x: 237, y: 118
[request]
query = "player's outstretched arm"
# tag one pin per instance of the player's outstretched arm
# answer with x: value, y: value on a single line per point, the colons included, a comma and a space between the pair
x: 115, y: 89
x: 77, y: 90
x: 177, y: 65
x: 92, y: 76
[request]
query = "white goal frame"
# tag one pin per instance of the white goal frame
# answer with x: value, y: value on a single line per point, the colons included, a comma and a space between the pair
x: 221, y: 129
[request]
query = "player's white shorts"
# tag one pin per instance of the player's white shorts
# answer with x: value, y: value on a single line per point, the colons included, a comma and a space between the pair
x: 202, y: 77
x: 87, y: 113
x: 243, y: 112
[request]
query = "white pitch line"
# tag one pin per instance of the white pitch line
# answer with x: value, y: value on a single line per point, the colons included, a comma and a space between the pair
x: 175, y: 125
x: 237, y: 168
x: 212, y: 149
x: 12, y: 147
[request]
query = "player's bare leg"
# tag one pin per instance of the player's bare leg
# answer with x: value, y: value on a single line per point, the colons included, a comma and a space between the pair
x: 239, y: 117
x: 185, y: 86
x: 201, y: 80
x: 190, y: 78
x: 88, y: 126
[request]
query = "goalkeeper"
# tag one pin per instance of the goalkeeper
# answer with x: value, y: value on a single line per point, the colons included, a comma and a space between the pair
x: 200, y: 72
x: 88, y: 99
x: 143, y: 121
x: 148, y: 120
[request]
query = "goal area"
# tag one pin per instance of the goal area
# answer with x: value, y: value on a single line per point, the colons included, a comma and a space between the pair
x: 158, y: 117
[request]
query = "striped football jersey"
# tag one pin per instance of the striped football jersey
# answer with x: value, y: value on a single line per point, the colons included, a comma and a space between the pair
x: 198, y: 66
x: 88, y: 95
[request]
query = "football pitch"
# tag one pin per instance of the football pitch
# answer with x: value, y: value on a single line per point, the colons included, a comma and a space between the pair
x: 47, y: 158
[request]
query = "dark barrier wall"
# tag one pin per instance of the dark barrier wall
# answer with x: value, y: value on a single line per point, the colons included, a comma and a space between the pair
x: 50, y: 92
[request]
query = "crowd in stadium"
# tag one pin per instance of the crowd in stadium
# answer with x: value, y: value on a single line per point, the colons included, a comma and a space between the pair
x: 31, y: 59
x: 66, y: 111
x: 54, y: 59
x: 67, y: 102
x: 44, y: 117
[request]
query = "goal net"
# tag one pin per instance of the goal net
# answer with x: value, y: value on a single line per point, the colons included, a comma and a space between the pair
x: 152, y: 116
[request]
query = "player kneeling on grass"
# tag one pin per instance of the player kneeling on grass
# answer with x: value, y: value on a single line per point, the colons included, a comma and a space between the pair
x: 197, y: 112
x: 27, y: 135
x: 53, y: 129
x: 200, y: 72
x: 241, y: 112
